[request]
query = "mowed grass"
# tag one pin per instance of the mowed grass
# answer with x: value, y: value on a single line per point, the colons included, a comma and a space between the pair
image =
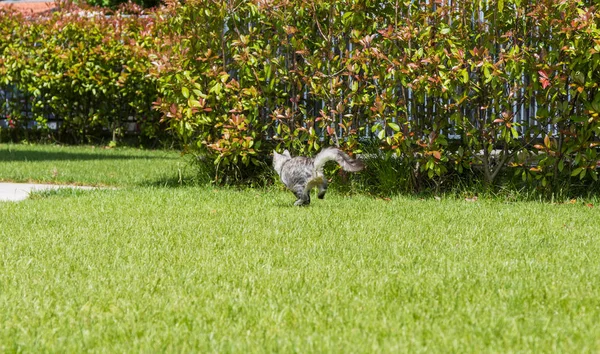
x: 200, y: 269
x: 89, y: 165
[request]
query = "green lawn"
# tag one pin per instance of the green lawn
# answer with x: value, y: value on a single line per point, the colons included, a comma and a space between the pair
x: 145, y: 268
x: 89, y: 165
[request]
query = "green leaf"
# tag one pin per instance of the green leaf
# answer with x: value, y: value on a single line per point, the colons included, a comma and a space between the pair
x: 199, y: 93
x: 381, y: 134
x: 576, y: 171
x: 578, y: 77
x: 486, y: 73
x: 346, y: 16
x: 514, y: 132
x: 465, y: 76
x: 185, y: 92
x: 394, y: 126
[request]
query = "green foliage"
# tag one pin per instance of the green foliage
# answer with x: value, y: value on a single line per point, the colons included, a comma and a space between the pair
x: 244, y: 77
x: 496, y: 90
x: 116, y: 3
x: 90, y: 71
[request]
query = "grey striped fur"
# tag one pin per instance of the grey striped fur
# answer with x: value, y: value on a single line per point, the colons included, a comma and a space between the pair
x: 301, y: 174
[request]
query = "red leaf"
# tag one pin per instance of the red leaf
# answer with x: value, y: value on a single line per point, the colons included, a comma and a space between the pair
x: 544, y: 79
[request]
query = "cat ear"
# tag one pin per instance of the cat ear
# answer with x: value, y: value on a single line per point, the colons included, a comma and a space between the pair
x: 287, y: 153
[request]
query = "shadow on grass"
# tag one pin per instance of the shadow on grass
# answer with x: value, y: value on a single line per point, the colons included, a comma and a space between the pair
x: 7, y: 155
x: 171, y: 182
x: 60, y: 192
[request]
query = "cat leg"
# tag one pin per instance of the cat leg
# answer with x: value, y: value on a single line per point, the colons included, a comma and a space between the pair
x: 302, y: 195
x: 322, y: 188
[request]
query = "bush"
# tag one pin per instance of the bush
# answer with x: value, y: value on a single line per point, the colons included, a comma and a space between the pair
x: 449, y: 90
x: 502, y: 89
x: 90, y: 73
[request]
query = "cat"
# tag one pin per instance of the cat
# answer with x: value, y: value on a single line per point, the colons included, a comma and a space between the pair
x: 301, y: 174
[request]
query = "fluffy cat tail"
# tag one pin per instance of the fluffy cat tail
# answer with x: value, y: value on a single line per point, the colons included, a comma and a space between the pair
x: 332, y: 154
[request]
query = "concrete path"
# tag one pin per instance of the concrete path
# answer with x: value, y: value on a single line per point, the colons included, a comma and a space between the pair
x: 20, y: 191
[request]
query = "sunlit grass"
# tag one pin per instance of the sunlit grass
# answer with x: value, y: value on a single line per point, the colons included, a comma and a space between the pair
x: 89, y: 165
x: 199, y: 269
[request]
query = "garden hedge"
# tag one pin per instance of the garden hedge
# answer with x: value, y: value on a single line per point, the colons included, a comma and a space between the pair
x: 86, y: 70
x: 450, y: 88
